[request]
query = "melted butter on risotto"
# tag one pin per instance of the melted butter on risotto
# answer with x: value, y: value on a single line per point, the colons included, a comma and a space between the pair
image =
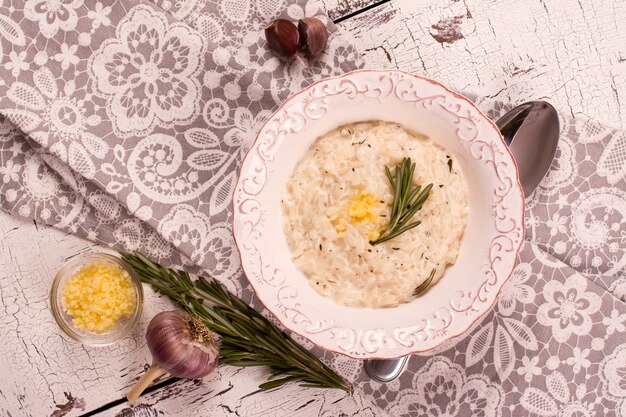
x: 338, y: 200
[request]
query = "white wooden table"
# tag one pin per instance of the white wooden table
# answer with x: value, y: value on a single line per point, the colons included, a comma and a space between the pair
x: 569, y: 52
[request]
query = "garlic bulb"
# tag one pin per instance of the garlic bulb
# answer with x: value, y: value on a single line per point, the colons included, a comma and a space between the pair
x: 181, y: 345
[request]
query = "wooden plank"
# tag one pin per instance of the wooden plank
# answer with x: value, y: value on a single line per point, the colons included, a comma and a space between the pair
x: 227, y: 395
x: 44, y: 372
x: 569, y: 52
x: 337, y: 9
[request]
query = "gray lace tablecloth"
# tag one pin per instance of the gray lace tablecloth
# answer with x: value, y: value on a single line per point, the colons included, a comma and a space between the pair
x: 124, y: 122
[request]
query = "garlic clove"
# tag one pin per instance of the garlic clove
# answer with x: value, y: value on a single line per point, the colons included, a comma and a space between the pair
x: 282, y: 37
x: 313, y: 37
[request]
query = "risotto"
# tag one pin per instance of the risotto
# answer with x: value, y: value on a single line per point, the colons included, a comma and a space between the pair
x: 338, y: 200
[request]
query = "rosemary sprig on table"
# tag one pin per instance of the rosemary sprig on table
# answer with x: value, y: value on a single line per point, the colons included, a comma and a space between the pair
x: 247, y: 338
x: 424, y: 285
x: 407, y: 200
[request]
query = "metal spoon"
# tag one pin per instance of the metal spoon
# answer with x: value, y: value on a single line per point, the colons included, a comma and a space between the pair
x: 535, y: 127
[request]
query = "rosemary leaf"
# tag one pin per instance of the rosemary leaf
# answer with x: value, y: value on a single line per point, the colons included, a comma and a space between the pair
x: 389, y: 177
x: 415, y: 206
x: 414, y: 193
x: 397, y: 232
x: 247, y: 338
x: 424, y: 285
x: 395, y: 209
x: 407, y: 201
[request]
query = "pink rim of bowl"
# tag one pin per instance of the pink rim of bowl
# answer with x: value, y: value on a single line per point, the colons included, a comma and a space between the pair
x: 489, y: 248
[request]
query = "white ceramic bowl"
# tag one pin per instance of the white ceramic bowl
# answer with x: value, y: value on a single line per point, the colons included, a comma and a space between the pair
x: 488, y: 251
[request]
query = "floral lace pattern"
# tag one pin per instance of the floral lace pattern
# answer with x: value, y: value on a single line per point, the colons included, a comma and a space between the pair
x: 49, y: 112
x: 128, y: 129
x: 441, y: 388
x: 568, y: 308
x: 53, y: 15
x: 613, y: 375
x: 578, y: 212
x: 148, y: 73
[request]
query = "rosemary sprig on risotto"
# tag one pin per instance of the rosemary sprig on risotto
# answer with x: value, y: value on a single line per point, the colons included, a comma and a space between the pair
x: 407, y: 201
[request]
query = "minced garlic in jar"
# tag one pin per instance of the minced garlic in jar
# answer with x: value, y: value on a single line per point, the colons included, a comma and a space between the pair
x: 97, y: 296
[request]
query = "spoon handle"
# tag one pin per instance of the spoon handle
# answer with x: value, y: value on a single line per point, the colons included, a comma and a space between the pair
x: 385, y: 370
